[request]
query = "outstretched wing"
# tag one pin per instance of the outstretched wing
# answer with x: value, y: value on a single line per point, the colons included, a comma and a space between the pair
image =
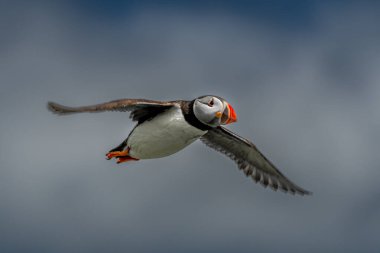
x: 249, y: 159
x: 141, y: 109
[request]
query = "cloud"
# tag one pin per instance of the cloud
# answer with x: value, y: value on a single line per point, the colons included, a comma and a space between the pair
x: 308, y: 98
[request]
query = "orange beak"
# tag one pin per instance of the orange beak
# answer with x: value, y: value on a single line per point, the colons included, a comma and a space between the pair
x: 229, y: 115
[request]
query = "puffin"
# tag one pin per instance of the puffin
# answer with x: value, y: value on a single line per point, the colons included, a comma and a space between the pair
x: 166, y: 127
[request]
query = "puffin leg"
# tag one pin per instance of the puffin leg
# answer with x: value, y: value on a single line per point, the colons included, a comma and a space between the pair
x: 122, y: 156
x: 113, y: 154
x: 123, y: 159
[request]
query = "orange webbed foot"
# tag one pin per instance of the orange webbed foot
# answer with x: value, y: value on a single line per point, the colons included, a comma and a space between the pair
x: 123, y: 159
x: 122, y: 156
x: 113, y: 154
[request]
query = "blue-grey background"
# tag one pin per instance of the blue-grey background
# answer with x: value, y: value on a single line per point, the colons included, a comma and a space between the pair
x: 303, y: 76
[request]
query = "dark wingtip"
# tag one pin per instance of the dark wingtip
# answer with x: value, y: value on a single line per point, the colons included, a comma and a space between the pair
x: 58, y: 109
x: 307, y: 193
x: 293, y: 189
x: 53, y: 107
x: 303, y: 192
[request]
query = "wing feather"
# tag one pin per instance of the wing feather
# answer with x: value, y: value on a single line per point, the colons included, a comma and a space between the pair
x: 250, y: 160
x: 141, y: 109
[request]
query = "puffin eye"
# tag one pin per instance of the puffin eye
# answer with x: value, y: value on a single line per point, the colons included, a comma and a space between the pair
x: 211, y: 103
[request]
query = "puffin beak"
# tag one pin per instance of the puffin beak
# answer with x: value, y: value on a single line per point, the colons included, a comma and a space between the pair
x: 229, y: 115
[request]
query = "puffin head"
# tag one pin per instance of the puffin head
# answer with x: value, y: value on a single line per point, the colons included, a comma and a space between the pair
x: 213, y: 111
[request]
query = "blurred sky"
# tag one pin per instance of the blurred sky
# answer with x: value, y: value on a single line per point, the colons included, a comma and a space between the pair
x: 303, y: 77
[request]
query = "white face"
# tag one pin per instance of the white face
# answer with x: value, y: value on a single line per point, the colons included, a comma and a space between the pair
x: 213, y: 111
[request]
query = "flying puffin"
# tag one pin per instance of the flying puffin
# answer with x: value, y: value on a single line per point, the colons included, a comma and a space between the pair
x: 165, y: 127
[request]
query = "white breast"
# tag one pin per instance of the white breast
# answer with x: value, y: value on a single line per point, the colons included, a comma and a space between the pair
x: 164, y: 135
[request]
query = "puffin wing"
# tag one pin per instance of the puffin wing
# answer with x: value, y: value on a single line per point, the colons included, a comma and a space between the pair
x: 141, y: 109
x: 250, y: 160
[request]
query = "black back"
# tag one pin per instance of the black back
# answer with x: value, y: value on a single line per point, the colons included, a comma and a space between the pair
x: 147, y: 113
